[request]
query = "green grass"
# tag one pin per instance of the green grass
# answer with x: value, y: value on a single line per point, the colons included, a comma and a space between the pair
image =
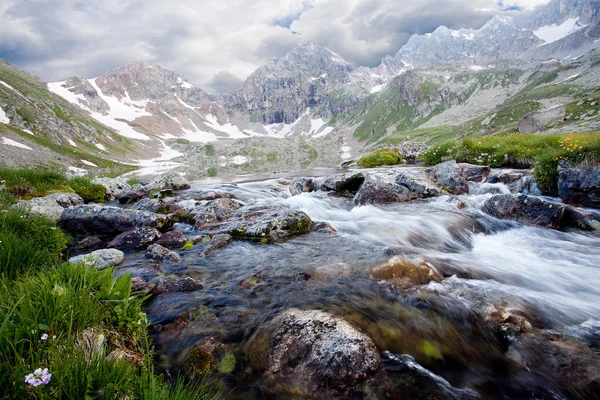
x: 543, y: 152
x: 28, y: 183
x: 381, y: 157
x: 85, y: 313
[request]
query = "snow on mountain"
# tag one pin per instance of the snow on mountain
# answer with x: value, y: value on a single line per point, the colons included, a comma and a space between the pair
x: 3, y: 118
x: 554, y: 32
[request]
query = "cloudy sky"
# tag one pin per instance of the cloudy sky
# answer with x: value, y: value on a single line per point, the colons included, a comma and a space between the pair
x: 216, y: 44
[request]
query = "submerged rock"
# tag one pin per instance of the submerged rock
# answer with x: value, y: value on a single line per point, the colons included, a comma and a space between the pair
x: 51, y: 206
x: 157, y: 252
x: 579, y: 185
x: 182, y: 284
x: 318, y: 355
x: 138, y: 238
x: 103, y: 259
x: 104, y: 219
x: 217, y: 242
x: 403, y: 274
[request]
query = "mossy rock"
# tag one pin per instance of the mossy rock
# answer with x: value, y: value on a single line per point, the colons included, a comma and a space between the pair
x: 227, y: 364
x: 202, y: 361
x: 381, y: 157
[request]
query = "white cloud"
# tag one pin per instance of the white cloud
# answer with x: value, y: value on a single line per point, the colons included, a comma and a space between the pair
x: 207, y: 41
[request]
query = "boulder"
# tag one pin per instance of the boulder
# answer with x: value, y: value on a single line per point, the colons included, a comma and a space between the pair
x: 381, y: 189
x: 579, y: 185
x: 169, y: 180
x: 455, y: 178
x: 157, y: 252
x: 103, y: 259
x: 137, y: 238
x: 412, y: 150
x: 141, y: 285
x: 136, y: 192
x: 182, y: 284
x: 115, y: 187
x: 516, y: 180
x: 265, y: 223
x: 105, y: 219
x: 316, y: 355
x: 213, y: 211
x: 342, y: 183
x: 301, y: 185
x: 418, y: 184
x: 217, y: 242
x: 173, y: 240
x: 51, y: 206
x: 526, y: 209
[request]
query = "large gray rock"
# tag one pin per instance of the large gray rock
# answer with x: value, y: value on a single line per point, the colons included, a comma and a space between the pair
x: 314, y: 354
x: 160, y: 253
x: 51, y: 206
x: 455, y: 178
x: 137, y: 238
x: 213, y: 211
x: 579, y: 185
x: 418, y: 183
x: 169, y: 180
x: 526, y: 209
x: 341, y: 183
x: 115, y: 187
x: 381, y: 189
x: 412, y: 150
x: 103, y: 259
x: 263, y: 223
x: 104, y: 219
x: 173, y: 240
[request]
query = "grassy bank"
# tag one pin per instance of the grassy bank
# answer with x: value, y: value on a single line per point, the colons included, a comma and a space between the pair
x: 543, y: 152
x: 69, y: 331
x: 25, y: 183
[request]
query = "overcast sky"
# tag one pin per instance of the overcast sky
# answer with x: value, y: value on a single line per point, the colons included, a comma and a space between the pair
x: 217, y: 44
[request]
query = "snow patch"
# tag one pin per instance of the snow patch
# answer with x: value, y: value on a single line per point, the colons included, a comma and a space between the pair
x: 378, y: 88
x: 476, y: 68
x: 184, y: 84
x: 552, y: 33
x: 60, y: 89
x: 239, y: 160
x: 3, y: 118
x: 14, y: 90
x: 11, y: 142
x: 100, y: 146
x: 77, y: 170
x: 91, y: 164
x: 72, y: 143
x: 319, y: 77
x: 346, y: 154
x: 28, y: 131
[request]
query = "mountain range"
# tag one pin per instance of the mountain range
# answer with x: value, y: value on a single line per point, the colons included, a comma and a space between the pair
x: 527, y: 72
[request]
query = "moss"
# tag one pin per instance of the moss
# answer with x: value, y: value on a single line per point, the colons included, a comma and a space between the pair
x: 227, y: 364
x: 381, y: 157
x: 302, y: 225
x: 428, y: 349
x: 202, y: 361
x: 188, y: 246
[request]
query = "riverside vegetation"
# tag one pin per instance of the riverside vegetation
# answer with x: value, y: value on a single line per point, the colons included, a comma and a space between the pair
x: 68, y: 331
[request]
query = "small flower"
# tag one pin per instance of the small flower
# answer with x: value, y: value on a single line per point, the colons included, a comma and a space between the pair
x: 4, y: 211
x: 89, y: 263
x: 44, y: 336
x: 54, y: 337
x: 53, y: 228
x: 38, y: 377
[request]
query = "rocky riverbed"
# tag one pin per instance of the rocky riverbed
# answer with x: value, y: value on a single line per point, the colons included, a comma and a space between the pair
x: 456, y: 281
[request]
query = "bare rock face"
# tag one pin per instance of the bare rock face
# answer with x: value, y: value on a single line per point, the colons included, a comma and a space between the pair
x: 318, y: 355
x: 579, y: 186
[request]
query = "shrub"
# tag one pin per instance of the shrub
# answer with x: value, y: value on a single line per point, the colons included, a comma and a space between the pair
x: 381, y: 157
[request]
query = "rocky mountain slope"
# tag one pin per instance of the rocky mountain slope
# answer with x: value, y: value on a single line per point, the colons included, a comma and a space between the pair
x: 439, y: 85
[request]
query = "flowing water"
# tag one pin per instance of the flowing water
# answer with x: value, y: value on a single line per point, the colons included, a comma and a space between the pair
x: 551, y: 278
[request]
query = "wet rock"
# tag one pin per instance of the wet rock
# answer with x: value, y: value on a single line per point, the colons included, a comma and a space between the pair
x: 381, y: 189
x: 315, y: 354
x: 217, y: 242
x: 579, y: 185
x: 104, y: 219
x: 183, y: 284
x: 202, y: 361
x: 336, y: 270
x: 87, y: 242
x: 517, y: 181
x: 510, y: 321
x: 569, y: 368
x: 136, y: 192
x: 214, y: 211
x: 151, y: 204
x: 526, y: 209
x: 115, y: 187
x: 578, y: 218
x: 169, y: 180
x: 213, y: 195
x: 138, y: 238
x: 144, y: 270
x: 301, y: 185
x: 173, y: 240
x: 418, y: 184
x: 264, y: 223
x: 140, y: 285
x: 412, y: 381
x: 103, y: 259
x: 454, y: 177
x: 402, y: 274
x: 158, y: 252
x: 51, y: 206
x: 323, y: 227
x: 342, y: 183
